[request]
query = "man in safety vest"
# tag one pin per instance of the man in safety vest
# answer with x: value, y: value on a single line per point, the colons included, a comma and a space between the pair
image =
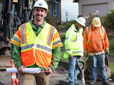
x: 95, y: 45
x: 36, y: 45
x: 74, y: 48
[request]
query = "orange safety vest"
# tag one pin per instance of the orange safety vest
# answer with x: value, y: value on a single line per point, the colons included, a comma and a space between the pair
x: 102, y: 34
x: 36, y: 49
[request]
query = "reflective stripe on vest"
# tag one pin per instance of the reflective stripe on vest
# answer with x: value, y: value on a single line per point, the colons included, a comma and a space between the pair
x: 74, y: 51
x: 22, y: 33
x: 56, y: 42
x: 102, y: 33
x: 67, y: 49
x: 73, y: 40
x: 38, y: 46
x: 77, y: 51
x: 16, y: 39
x: 88, y: 34
x: 50, y: 36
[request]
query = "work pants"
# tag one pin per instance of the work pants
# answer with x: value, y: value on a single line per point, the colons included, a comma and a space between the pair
x: 100, y: 60
x: 73, y: 70
x: 28, y: 79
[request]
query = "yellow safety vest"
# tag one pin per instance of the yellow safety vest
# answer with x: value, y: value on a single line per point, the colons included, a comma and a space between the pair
x: 73, y: 42
x: 36, y: 49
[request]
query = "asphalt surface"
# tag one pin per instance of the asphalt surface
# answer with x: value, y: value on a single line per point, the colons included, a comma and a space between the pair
x: 59, y: 77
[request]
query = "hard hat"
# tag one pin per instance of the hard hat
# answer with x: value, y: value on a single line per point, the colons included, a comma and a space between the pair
x: 81, y: 21
x: 96, y: 22
x: 41, y: 4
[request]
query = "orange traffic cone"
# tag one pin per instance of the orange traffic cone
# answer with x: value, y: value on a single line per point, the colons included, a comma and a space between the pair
x: 14, y: 80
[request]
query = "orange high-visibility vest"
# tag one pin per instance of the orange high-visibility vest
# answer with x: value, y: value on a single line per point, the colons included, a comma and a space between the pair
x: 36, y: 49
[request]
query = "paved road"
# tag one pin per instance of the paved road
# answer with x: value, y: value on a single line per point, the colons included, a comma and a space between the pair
x: 60, y: 73
x: 111, y: 59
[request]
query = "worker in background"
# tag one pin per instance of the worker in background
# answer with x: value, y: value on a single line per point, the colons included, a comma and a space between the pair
x: 36, y: 44
x: 74, y: 48
x: 96, y: 45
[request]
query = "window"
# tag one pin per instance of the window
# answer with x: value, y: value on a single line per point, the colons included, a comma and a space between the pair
x: 54, y: 9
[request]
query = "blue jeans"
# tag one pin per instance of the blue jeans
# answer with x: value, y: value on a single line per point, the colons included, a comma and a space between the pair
x: 100, y: 60
x: 73, y: 70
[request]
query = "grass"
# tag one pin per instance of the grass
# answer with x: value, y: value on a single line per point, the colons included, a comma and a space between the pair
x: 61, y: 27
x: 111, y: 53
x: 111, y: 47
x: 111, y: 66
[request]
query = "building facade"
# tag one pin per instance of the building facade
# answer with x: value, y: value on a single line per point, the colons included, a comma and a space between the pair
x: 90, y: 6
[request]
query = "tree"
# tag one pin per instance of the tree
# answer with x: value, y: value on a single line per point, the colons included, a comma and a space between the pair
x: 109, y: 20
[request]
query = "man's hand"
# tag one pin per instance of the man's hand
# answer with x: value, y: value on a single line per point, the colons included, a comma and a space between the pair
x: 81, y: 57
x: 21, y: 69
x: 85, y: 54
x: 107, y: 50
x: 71, y: 56
x: 49, y: 70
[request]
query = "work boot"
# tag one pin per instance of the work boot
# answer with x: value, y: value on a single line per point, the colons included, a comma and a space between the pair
x: 92, y: 83
x: 106, y: 83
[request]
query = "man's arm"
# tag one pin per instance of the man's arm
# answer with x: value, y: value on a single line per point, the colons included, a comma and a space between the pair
x: 16, y: 56
x: 85, y: 41
x: 67, y: 43
x: 55, y: 52
x: 106, y: 42
x: 56, y: 58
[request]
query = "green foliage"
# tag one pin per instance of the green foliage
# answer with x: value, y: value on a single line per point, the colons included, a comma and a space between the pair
x: 61, y: 27
x: 111, y: 47
x: 109, y: 20
x: 69, y: 24
x: 52, y: 20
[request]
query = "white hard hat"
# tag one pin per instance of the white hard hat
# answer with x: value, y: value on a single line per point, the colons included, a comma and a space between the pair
x: 81, y: 21
x: 41, y: 4
x: 96, y: 22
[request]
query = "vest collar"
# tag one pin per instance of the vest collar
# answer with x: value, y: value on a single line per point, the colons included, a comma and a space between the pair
x: 76, y: 29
